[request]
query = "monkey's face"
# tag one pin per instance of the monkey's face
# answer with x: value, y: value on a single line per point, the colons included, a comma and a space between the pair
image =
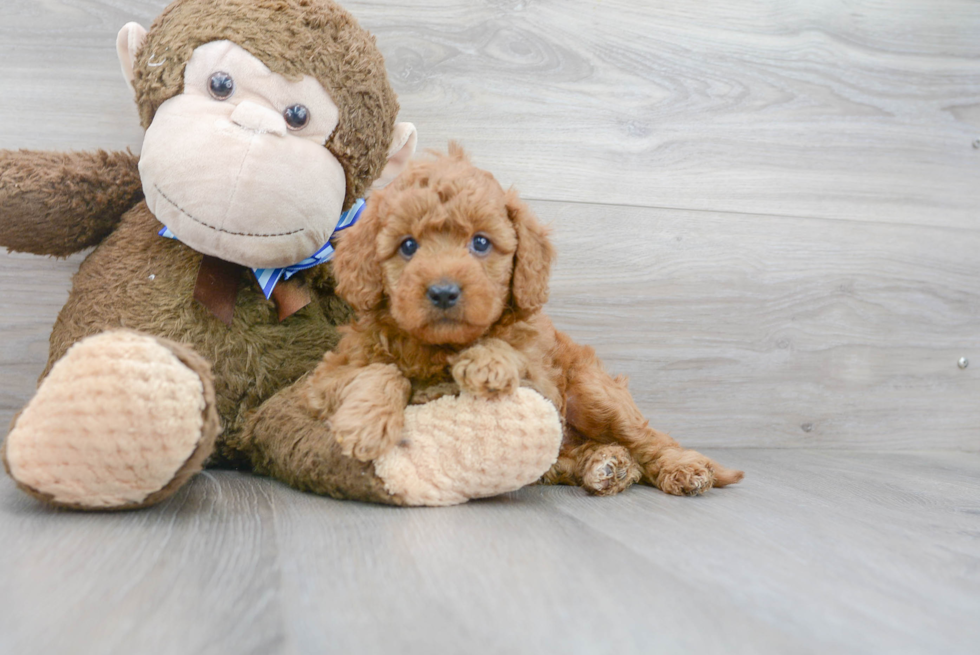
x: 236, y: 166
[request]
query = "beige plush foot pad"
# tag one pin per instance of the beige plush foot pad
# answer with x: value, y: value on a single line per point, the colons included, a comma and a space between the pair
x: 115, y: 420
x: 471, y: 448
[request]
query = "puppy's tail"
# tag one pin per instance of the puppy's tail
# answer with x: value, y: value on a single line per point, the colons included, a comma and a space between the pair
x: 456, y: 150
x: 725, y: 476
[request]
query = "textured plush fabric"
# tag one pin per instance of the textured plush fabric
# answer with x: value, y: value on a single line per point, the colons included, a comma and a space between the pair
x: 113, y: 422
x: 56, y: 203
x: 456, y: 448
x: 293, y: 38
x: 141, y: 281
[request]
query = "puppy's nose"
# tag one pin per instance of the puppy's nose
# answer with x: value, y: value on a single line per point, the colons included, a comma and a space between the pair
x: 443, y: 295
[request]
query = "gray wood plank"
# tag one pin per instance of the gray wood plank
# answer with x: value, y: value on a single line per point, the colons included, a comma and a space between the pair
x: 864, y: 110
x: 814, y: 552
x: 61, y: 87
x: 501, y: 576
x: 787, y: 108
x: 748, y: 330
x: 839, y: 551
x: 32, y: 291
x: 197, y: 574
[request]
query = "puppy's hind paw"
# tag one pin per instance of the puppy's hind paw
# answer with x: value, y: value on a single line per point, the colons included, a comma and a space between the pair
x: 609, y: 470
x: 689, y: 473
x: 685, y: 482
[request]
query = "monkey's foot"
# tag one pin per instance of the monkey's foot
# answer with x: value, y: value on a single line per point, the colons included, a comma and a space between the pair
x: 457, y: 448
x: 122, y: 421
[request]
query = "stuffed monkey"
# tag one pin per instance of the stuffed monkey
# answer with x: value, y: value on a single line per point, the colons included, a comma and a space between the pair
x: 191, y: 327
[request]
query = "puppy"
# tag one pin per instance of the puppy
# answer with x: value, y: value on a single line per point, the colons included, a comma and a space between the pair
x: 448, y: 274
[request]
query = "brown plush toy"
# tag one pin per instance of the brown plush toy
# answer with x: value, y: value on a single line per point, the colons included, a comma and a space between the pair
x: 191, y: 325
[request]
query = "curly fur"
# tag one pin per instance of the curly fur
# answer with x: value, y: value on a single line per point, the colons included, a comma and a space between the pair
x: 38, y: 191
x: 492, y: 340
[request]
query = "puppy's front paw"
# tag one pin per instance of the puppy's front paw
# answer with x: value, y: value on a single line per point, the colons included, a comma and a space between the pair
x: 364, y: 440
x: 369, y: 420
x: 489, y: 369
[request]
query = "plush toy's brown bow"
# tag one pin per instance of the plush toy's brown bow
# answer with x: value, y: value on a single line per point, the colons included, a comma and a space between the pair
x: 217, y: 289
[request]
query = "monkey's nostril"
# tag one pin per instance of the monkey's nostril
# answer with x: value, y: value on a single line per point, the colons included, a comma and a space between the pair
x: 443, y: 296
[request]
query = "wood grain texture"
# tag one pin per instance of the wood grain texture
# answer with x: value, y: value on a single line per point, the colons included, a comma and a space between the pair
x: 857, y: 110
x: 32, y: 292
x: 196, y: 575
x: 860, y: 110
x: 815, y: 552
x: 749, y: 330
x: 61, y: 86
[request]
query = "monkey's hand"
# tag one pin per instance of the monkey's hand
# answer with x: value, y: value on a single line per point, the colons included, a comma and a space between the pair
x: 57, y: 203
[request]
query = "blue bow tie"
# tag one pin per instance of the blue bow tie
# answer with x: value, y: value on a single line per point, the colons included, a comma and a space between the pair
x: 269, y: 277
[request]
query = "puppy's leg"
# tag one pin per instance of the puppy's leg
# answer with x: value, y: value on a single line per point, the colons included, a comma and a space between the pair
x: 602, y: 408
x: 490, y: 368
x: 601, y: 469
x: 369, y: 420
x: 364, y: 406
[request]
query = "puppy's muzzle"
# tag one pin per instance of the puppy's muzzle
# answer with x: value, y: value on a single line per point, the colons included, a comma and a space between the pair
x: 443, y: 295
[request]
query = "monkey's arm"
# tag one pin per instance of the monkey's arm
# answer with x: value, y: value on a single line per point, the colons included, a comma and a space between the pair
x: 56, y: 203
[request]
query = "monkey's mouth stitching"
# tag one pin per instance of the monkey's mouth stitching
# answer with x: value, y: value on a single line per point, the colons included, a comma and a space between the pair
x: 218, y: 229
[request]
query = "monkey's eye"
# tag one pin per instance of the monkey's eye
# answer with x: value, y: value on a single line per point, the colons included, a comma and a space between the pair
x: 480, y: 245
x: 296, y: 117
x: 221, y: 86
x: 408, y: 247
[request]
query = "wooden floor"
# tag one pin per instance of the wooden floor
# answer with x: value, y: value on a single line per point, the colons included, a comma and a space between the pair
x: 816, y: 552
x: 766, y: 213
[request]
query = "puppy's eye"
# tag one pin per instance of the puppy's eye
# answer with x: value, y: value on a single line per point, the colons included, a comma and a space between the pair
x: 480, y: 245
x: 296, y: 117
x: 408, y: 247
x: 221, y: 86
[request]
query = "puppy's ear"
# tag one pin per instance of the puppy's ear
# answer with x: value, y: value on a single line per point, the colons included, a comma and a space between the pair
x: 532, y: 261
x: 355, y: 265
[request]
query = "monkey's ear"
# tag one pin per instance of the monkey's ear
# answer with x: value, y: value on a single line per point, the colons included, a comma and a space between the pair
x: 130, y: 39
x: 355, y: 265
x: 532, y: 261
x: 403, y: 143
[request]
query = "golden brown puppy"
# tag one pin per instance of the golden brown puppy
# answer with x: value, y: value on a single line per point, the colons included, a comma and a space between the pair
x: 448, y: 273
